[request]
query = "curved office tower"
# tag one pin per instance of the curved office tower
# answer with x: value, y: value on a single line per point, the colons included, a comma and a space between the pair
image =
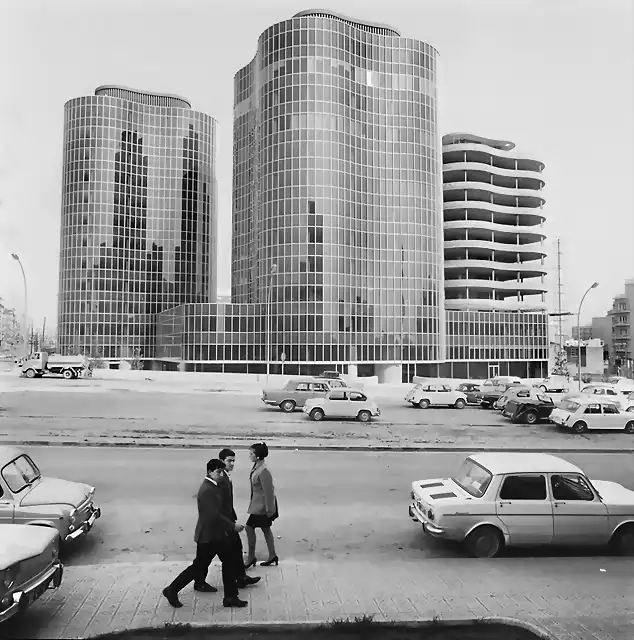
x: 138, y: 212
x: 337, y: 196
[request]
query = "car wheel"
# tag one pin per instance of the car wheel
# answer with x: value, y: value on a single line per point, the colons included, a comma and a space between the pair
x: 423, y: 404
x: 317, y: 415
x: 459, y: 404
x: 288, y: 406
x: 484, y: 542
x: 629, y: 427
x: 364, y: 416
x: 580, y: 427
x: 68, y: 374
x: 530, y: 417
x: 544, y: 388
x: 630, y: 409
x: 30, y: 373
x: 622, y: 542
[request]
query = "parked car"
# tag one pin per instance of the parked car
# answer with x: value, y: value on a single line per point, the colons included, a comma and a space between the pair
x: 499, y: 500
x: 333, y: 375
x: 29, y: 565
x: 470, y: 390
x: 427, y: 395
x: 554, y: 384
x: 622, y: 385
x: 342, y: 403
x: 27, y: 497
x: 296, y: 392
x: 583, y: 413
x: 513, y: 392
x: 529, y: 410
x: 605, y: 391
x: 492, y: 390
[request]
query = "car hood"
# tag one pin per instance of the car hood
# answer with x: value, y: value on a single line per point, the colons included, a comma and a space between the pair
x: 55, y: 491
x: 20, y: 542
x: 614, y: 493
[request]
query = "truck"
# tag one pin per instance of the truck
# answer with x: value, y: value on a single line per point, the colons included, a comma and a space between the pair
x: 41, y: 364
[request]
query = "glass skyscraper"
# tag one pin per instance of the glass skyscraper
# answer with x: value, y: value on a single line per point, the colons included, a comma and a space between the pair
x: 138, y: 218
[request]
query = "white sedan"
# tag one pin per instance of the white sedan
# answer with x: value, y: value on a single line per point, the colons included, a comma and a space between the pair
x: 342, y: 403
x: 583, y: 413
x: 437, y: 395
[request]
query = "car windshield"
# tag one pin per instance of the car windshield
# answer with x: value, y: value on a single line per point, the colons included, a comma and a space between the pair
x: 473, y: 478
x: 543, y: 398
x: 569, y: 405
x: 20, y: 473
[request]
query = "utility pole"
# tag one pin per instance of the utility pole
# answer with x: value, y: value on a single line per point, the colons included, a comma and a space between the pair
x: 43, y: 335
x: 560, y: 319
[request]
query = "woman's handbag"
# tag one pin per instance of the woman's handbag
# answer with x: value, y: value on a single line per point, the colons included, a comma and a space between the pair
x: 276, y: 515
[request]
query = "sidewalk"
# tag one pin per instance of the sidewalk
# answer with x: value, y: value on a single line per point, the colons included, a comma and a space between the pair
x: 567, y: 598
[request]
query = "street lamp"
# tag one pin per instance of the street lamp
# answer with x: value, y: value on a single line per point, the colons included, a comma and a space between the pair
x: 594, y: 285
x: 16, y: 257
x: 272, y: 272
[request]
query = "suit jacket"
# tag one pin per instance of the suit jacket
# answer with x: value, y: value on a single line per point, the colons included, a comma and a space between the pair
x: 213, y: 525
x: 263, y: 499
x: 227, y: 487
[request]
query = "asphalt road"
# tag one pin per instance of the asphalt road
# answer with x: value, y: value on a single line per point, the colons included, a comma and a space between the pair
x: 333, y: 505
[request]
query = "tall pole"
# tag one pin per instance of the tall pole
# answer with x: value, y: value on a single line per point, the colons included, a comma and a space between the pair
x: 272, y: 272
x: 594, y: 285
x: 25, y: 327
x: 560, y: 318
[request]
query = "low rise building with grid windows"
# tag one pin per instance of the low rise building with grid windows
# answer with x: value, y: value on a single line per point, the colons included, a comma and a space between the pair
x: 138, y: 218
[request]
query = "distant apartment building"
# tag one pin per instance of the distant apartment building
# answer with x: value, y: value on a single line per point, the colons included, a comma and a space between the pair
x: 494, y: 255
x: 138, y: 218
x: 622, y: 330
x: 585, y: 331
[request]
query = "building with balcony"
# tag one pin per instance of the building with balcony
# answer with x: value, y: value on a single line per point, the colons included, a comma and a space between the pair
x: 138, y: 218
x: 494, y: 258
x: 621, y: 360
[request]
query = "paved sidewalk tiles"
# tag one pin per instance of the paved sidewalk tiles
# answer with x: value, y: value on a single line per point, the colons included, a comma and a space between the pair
x: 568, y: 598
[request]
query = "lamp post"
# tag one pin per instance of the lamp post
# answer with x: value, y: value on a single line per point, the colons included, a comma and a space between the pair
x: 25, y: 328
x: 272, y: 272
x: 594, y: 285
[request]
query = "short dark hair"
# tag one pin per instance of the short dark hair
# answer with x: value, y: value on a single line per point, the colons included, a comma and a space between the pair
x: 215, y: 464
x: 260, y: 449
x: 226, y: 453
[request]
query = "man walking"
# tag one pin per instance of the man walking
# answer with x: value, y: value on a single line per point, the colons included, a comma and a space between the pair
x: 229, y: 458
x: 213, y: 537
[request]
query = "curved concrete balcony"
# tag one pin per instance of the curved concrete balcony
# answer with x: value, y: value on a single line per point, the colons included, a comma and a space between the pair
x: 529, y: 233
x: 486, y: 174
x: 529, y: 215
x: 494, y: 305
x: 531, y: 269
x: 533, y: 251
x: 491, y: 169
x: 509, y: 287
x: 482, y: 191
x: 484, y: 153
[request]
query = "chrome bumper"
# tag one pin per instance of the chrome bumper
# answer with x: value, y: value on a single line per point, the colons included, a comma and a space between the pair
x: 22, y: 599
x: 417, y: 516
x: 85, y: 526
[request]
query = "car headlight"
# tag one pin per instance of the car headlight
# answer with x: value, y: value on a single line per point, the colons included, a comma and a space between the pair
x: 430, y: 515
x: 9, y: 576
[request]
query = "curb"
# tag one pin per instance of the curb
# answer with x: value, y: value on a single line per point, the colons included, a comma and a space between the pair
x: 301, y: 447
x: 386, y: 624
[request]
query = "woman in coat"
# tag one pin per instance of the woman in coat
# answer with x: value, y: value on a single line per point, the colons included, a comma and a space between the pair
x: 263, y: 506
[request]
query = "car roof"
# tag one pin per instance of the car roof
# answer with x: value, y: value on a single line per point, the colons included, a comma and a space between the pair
x: 505, y: 462
x: 7, y: 454
x: 591, y: 398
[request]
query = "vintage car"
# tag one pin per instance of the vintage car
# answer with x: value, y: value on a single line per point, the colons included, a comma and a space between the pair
x: 470, y: 390
x: 29, y: 565
x: 512, y: 393
x: 296, y: 392
x: 505, y: 499
x: 622, y: 385
x: 492, y: 390
x: 554, y: 384
x: 582, y: 413
x: 427, y: 395
x: 529, y: 410
x: 27, y: 497
x: 605, y: 391
x: 342, y: 403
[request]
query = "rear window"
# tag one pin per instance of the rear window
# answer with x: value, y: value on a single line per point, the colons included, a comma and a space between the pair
x: 569, y: 405
x: 473, y: 478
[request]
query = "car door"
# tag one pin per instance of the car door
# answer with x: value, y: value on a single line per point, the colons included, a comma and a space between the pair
x: 430, y: 392
x: 318, y: 389
x: 611, y: 416
x: 336, y: 404
x: 444, y: 395
x: 580, y: 518
x: 301, y: 393
x: 6, y: 506
x: 592, y: 416
x: 357, y: 401
x: 525, y: 509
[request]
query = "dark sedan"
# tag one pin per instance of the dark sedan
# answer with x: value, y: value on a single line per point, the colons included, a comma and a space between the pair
x: 470, y: 390
x: 529, y: 410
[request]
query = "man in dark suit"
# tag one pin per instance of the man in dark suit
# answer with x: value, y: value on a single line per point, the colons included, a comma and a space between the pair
x: 229, y: 458
x: 212, y: 537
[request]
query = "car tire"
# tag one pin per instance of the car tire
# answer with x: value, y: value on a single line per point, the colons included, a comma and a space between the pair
x: 364, y: 416
x: 580, y: 427
x: 622, y: 542
x: 423, y: 404
x: 288, y: 406
x: 484, y: 542
x: 30, y: 373
x: 629, y: 427
x: 531, y: 417
x: 317, y: 415
x: 68, y: 374
x: 459, y: 403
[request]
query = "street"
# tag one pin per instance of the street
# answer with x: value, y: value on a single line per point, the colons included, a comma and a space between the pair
x: 334, y: 505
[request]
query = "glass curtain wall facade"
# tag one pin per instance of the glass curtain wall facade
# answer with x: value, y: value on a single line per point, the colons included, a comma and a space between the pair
x: 337, y: 226
x: 138, y: 218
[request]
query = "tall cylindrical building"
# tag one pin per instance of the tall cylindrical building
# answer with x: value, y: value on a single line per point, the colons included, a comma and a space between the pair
x: 138, y: 218
x: 337, y: 195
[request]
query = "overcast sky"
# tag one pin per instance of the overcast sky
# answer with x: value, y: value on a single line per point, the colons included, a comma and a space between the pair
x: 553, y: 76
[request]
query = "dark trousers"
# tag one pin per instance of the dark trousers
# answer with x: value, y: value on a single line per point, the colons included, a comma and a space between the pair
x: 197, y: 570
x: 235, y: 544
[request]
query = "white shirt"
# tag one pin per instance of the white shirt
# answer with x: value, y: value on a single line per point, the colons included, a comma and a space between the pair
x: 210, y: 480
